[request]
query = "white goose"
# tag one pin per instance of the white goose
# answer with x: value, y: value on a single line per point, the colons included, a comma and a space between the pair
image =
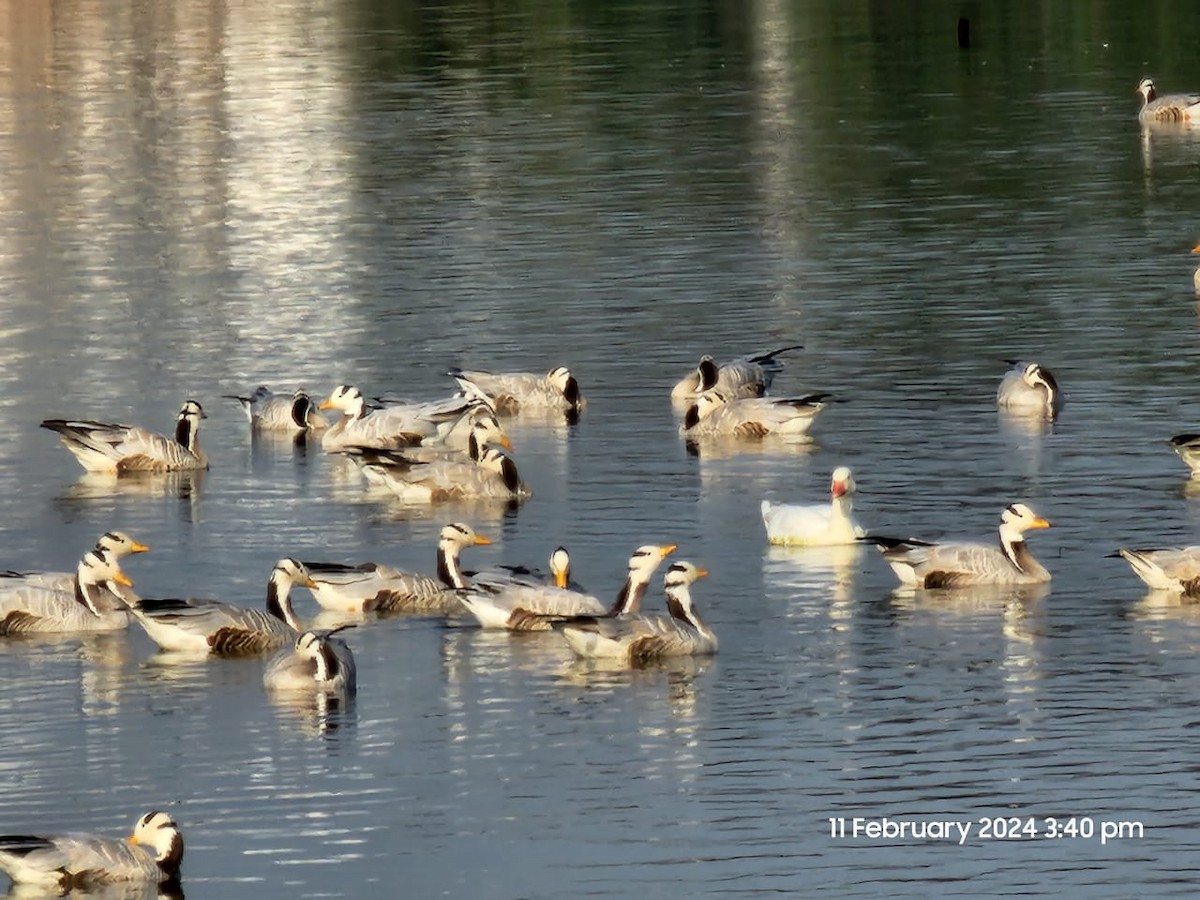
x: 746, y: 376
x: 529, y: 606
x: 290, y: 413
x: 101, y: 447
x: 815, y: 525
x: 715, y: 415
x: 1029, y: 388
x: 920, y: 564
x: 374, y: 587
x: 92, y: 602
x: 493, y: 476
x: 394, y: 426
x: 67, y: 862
x: 515, y: 392
x: 641, y: 639
x: 317, y: 662
x: 1188, y: 448
x: 1175, y: 569
x: 1168, y: 107
x: 223, y: 629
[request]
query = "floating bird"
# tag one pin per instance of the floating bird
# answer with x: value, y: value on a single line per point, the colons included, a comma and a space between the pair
x: 92, y: 602
x: 516, y: 392
x: 317, y: 662
x: 921, y: 564
x: 492, y: 476
x: 394, y: 426
x: 1167, y: 108
x: 818, y: 524
x: 715, y: 415
x: 374, y: 587
x: 528, y: 606
x: 100, y: 447
x: 1029, y: 388
x: 1196, y: 274
x: 641, y: 639
x: 1188, y: 448
x: 290, y: 413
x: 119, y: 544
x: 746, y: 376
x: 66, y: 862
x: 223, y: 629
x: 1175, y: 569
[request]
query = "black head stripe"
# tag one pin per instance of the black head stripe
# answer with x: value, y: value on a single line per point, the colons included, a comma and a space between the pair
x: 692, y: 417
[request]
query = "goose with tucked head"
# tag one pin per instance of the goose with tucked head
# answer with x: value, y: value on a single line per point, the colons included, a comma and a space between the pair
x: 516, y: 392
x: 102, y: 447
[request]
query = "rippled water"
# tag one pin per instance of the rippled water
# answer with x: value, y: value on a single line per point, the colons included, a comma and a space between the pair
x: 201, y: 199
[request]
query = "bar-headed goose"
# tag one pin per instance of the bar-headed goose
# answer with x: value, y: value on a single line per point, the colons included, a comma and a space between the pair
x: 920, y: 564
x: 715, y: 415
x: 1175, y: 569
x: 67, y: 862
x: 374, y: 587
x: 1167, y: 107
x: 393, y: 426
x: 1029, y: 388
x: 288, y: 413
x: 118, y: 543
x: 92, y: 603
x: 1188, y: 448
x: 317, y: 662
x: 515, y: 392
x: 822, y: 524
x: 641, y: 639
x: 528, y: 606
x: 746, y: 376
x: 492, y: 476
x: 224, y: 629
x: 101, y: 447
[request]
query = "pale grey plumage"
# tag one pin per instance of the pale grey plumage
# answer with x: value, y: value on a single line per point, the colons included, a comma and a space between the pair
x: 318, y: 661
x: 516, y: 392
x: 390, y: 427
x: 151, y: 855
x: 746, y: 376
x: 1181, y: 108
x: 715, y: 415
x: 91, y: 603
x: 287, y: 413
x: 101, y: 447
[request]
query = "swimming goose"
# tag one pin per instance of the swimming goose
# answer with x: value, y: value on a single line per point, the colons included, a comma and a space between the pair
x: 815, y: 525
x: 129, y: 448
x: 514, y: 392
x: 715, y: 415
x: 90, y: 604
x: 1174, y: 569
x: 119, y: 544
x: 921, y: 564
x: 317, y: 662
x: 746, y: 376
x: 642, y: 639
x: 394, y: 426
x: 1167, y: 108
x: 65, y: 862
x: 269, y: 411
x: 494, y: 475
x: 528, y: 606
x: 1188, y: 448
x: 374, y: 587
x: 1029, y: 388
x: 211, y: 626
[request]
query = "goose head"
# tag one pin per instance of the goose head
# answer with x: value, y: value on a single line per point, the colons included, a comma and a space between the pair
x: 707, y: 373
x: 1146, y: 89
x: 706, y: 404
x: 158, y: 832
x: 187, y: 424
x: 119, y: 544
x: 560, y: 567
x: 96, y: 568
x: 841, y: 482
x: 346, y: 399
x: 1016, y: 520
x: 315, y: 645
x: 563, y: 381
x: 679, y: 577
x: 287, y: 574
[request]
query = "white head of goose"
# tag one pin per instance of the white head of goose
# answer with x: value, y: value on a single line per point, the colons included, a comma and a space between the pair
x: 1182, y: 108
x: 346, y: 399
x: 920, y: 564
x: 1029, y: 387
x: 152, y: 854
x: 453, y: 539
